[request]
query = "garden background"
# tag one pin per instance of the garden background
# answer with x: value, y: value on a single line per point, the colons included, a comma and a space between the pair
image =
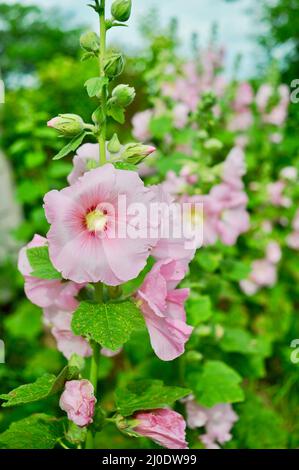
x: 254, y: 335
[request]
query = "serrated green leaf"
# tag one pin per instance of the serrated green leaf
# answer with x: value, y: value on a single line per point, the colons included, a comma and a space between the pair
x: 117, y: 113
x: 146, y: 395
x: 40, y: 263
x: 71, y: 146
x: 109, y: 324
x: 39, y: 431
x: 43, y: 387
x: 95, y: 85
x: 214, y: 383
x: 209, y: 261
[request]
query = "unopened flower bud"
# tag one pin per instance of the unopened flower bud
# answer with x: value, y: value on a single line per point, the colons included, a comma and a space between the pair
x: 68, y: 125
x: 114, y: 144
x: 124, y: 95
x: 135, y: 153
x: 121, y: 9
x: 114, y: 65
x: 90, y: 41
x: 213, y: 144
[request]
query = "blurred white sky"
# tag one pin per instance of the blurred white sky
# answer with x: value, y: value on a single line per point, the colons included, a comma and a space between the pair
x: 236, y: 25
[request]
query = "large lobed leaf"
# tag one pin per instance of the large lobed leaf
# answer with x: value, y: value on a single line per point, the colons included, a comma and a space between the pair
x: 43, y: 387
x: 109, y: 324
x: 146, y: 395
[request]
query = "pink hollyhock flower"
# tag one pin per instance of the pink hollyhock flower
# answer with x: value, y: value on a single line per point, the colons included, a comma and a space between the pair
x: 180, y: 113
x: 78, y: 401
x: 276, y: 138
x: 141, y: 122
x: 44, y: 292
x: 89, y: 236
x: 229, y: 205
x: 163, y: 308
x: 293, y: 240
x: 244, y: 96
x: 67, y: 343
x: 241, y: 121
x: 263, y: 96
x: 289, y: 173
x: 263, y: 274
x: 275, y: 194
x: 165, y: 427
x: 178, y: 242
x: 86, y: 154
x: 218, y: 421
x: 174, y: 184
x: 234, y: 168
x: 273, y: 252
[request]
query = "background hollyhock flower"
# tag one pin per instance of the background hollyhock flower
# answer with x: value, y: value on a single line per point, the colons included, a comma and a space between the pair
x: 263, y: 274
x: 275, y: 194
x: 241, y: 121
x: 293, y: 238
x: 218, y: 422
x: 234, y: 168
x: 141, y: 122
x: 180, y: 113
x: 46, y: 292
x: 165, y: 427
x: 163, y: 308
x: 78, y: 401
x: 273, y: 252
x: 85, y: 218
x: 289, y: 173
x: 67, y: 343
x: 244, y: 96
x: 229, y: 206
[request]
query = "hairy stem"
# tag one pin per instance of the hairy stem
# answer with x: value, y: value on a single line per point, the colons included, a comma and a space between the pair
x: 102, y: 54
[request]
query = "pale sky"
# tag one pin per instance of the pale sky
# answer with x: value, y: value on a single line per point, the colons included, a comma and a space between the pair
x: 236, y: 25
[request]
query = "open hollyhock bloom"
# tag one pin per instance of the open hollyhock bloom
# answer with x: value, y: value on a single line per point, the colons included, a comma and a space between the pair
x: 165, y: 427
x: 46, y: 292
x: 263, y: 274
x: 93, y: 236
x: 67, y: 343
x: 163, y: 308
x: 78, y: 401
x: 234, y: 168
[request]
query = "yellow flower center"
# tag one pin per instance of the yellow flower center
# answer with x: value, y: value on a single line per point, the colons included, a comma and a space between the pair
x: 96, y: 221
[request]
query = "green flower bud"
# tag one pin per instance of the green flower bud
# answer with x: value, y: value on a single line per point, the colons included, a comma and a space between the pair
x: 90, y: 42
x: 193, y: 356
x: 114, y: 65
x: 124, y: 95
x: 68, y: 125
x: 213, y: 144
x: 135, y: 153
x: 121, y: 10
x: 114, y: 144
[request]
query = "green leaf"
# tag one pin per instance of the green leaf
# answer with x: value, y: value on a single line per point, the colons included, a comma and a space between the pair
x: 95, y: 85
x: 235, y: 270
x: 125, y: 166
x: 109, y: 324
x: 38, y: 431
x: 146, y: 395
x: 209, y: 261
x: 43, y: 387
x: 40, y: 262
x: 25, y: 322
x: 198, y: 309
x: 160, y: 126
x: 117, y: 113
x: 71, y: 146
x: 239, y: 341
x: 214, y: 383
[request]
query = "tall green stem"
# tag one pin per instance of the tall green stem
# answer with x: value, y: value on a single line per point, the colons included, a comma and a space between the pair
x: 94, y: 365
x: 102, y: 54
